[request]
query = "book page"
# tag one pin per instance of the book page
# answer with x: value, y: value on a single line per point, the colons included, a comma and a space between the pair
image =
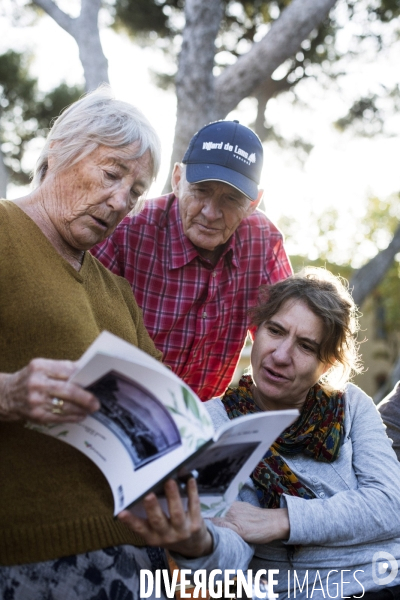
x: 149, y: 423
x: 222, y: 468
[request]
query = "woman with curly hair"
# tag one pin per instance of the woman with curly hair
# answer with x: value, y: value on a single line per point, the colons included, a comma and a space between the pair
x: 322, y: 507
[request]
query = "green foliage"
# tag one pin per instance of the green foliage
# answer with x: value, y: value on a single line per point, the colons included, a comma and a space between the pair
x: 388, y: 294
x: 25, y: 113
x: 299, y: 262
x: 140, y: 17
x: 322, y: 239
x: 382, y: 219
x: 368, y: 115
x: 385, y: 10
x: 17, y: 88
x: 243, y: 21
x: 377, y: 228
x: 380, y: 223
x: 54, y: 102
x: 17, y: 104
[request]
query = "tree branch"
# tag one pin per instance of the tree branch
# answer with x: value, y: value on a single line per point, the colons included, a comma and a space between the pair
x: 272, y: 87
x: 281, y: 42
x: 3, y: 177
x: 59, y: 16
x: 94, y: 62
x: 85, y: 31
x: 265, y: 91
x: 370, y: 275
x: 195, y: 80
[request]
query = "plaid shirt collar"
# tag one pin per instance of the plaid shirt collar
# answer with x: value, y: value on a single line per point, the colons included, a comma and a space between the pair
x: 181, y: 251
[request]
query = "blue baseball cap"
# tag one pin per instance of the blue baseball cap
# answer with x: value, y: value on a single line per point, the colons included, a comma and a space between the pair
x: 226, y: 151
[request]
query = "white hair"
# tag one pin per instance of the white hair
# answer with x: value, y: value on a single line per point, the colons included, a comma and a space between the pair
x: 96, y: 119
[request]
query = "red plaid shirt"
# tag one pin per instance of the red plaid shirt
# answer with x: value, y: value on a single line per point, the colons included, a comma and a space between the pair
x: 195, y: 313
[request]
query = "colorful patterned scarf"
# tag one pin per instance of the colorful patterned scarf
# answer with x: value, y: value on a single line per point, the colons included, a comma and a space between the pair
x: 317, y: 433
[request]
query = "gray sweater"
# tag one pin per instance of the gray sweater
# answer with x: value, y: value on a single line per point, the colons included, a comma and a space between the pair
x: 354, y: 517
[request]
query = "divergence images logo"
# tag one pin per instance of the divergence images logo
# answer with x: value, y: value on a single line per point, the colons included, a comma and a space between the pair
x: 384, y: 568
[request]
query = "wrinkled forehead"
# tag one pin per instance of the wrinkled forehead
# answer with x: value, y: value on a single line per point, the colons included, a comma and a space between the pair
x: 130, y: 152
x: 297, y: 306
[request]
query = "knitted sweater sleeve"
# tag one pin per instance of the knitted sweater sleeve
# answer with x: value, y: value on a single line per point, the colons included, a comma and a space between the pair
x: 371, y: 511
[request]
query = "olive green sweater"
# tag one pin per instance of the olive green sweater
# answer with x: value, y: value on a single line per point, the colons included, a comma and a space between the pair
x: 53, y: 500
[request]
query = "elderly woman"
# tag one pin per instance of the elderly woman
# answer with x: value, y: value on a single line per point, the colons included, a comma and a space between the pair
x: 322, y: 508
x: 58, y: 537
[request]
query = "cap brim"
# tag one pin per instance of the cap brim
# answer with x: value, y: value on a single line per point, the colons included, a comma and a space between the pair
x: 202, y: 172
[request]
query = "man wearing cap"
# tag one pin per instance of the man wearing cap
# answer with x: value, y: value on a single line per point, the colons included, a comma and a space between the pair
x: 196, y: 257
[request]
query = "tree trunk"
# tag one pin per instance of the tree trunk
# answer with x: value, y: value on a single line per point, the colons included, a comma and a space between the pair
x: 195, y: 79
x: 3, y: 177
x: 201, y: 96
x: 95, y: 64
x: 370, y: 275
x: 85, y: 31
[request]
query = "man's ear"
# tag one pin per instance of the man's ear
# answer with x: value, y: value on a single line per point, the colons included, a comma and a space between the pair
x: 254, y: 203
x: 176, y: 178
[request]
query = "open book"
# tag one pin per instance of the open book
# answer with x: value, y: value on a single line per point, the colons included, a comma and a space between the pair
x: 152, y: 426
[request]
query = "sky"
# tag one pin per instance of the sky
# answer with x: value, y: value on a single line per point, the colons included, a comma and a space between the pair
x: 341, y: 170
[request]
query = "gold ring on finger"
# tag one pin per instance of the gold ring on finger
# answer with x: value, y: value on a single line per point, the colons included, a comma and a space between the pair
x: 57, y: 406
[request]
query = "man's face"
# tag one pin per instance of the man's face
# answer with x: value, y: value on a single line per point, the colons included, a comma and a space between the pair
x: 211, y: 211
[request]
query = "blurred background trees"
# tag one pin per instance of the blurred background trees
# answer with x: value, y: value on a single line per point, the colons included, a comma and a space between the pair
x: 223, y: 51
x: 320, y: 54
x: 375, y: 286
x: 25, y: 114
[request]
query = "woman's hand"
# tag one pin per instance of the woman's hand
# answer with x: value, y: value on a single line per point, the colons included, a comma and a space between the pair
x: 41, y: 392
x: 183, y: 532
x: 256, y: 525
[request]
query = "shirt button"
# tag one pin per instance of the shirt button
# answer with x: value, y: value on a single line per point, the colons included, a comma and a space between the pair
x: 204, y: 315
x: 314, y: 479
x: 322, y: 495
x: 214, y: 274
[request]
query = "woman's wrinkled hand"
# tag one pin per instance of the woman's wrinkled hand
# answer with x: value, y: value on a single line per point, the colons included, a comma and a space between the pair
x: 41, y: 393
x: 183, y: 531
x: 256, y: 525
